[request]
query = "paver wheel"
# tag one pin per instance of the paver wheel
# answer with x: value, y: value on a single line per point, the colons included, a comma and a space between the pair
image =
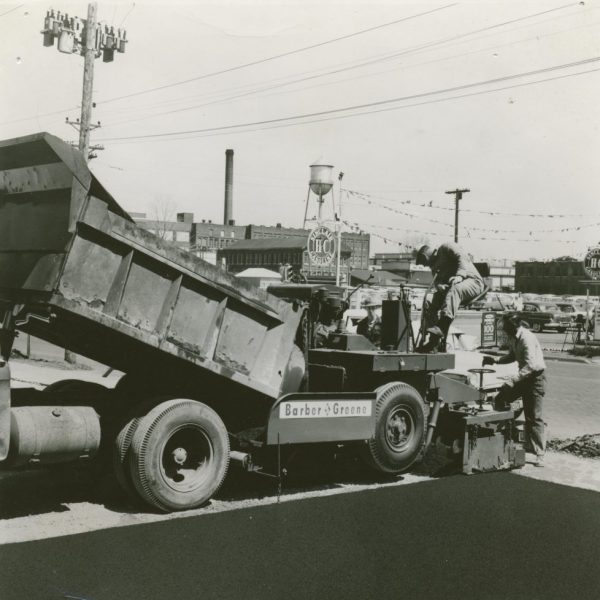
x: 399, y: 430
x: 179, y: 455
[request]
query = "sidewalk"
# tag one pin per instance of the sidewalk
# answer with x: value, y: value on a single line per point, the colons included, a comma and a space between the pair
x: 550, y: 355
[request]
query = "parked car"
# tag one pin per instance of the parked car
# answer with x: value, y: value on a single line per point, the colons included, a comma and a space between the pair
x: 570, y: 309
x: 540, y: 316
x: 493, y: 301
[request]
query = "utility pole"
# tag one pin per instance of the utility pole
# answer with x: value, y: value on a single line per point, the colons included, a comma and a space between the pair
x: 89, y: 52
x: 86, y: 38
x: 338, y: 218
x: 458, y: 194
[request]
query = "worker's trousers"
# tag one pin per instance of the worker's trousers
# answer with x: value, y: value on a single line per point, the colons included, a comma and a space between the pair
x: 531, y: 389
x: 459, y: 294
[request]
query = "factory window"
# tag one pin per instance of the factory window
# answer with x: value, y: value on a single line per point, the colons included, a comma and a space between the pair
x: 232, y: 234
x: 222, y: 233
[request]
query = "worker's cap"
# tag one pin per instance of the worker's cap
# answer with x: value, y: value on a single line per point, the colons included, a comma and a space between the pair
x: 369, y: 304
x: 513, y: 319
x: 424, y: 255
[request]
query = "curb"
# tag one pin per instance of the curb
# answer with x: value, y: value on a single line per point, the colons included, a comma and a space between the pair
x: 547, y: 356
x: 572, y: 359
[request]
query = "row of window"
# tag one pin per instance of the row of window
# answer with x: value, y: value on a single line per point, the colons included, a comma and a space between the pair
x: 264, y: 258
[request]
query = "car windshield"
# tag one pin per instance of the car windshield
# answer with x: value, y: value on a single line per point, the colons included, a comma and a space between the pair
x: 549, y: 308
x: 566, y: 308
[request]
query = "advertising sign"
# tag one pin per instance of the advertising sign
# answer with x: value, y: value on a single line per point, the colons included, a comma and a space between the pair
x: 319, y: 409
x: 488, y: 330
x: 591, y: 263
x: 321, y: 246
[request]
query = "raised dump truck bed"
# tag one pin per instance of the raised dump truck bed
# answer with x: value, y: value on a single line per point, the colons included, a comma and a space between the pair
x: 75, y: 270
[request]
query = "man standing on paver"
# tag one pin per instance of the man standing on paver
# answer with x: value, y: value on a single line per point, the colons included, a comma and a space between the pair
x: 529, y: 383
x: 457, y: 283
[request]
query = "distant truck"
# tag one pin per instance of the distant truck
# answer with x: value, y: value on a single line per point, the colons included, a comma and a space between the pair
x: 217, y: 372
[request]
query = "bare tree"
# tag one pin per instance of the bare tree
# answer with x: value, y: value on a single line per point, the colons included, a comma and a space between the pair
x: 162, y: 215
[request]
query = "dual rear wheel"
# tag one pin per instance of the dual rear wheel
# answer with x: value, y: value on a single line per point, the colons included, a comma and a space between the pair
x: 175, y: 457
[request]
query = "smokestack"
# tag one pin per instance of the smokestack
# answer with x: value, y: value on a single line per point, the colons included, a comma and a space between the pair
x: 228, y: 215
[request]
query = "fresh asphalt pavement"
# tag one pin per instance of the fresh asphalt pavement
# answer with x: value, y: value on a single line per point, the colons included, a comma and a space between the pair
x: 485, y: 537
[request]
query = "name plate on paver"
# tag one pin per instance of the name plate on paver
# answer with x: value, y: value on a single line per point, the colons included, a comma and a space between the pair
x: 319, y: 409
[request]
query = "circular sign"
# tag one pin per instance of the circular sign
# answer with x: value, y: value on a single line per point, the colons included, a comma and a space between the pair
x: 321, y: 246
x: 591, y: 263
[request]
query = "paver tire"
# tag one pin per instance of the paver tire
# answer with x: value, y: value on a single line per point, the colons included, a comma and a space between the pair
x: 399, y: 429
x: 179, y: 455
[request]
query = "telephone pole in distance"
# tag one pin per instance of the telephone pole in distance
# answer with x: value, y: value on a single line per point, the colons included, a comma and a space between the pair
x: 458, y: 194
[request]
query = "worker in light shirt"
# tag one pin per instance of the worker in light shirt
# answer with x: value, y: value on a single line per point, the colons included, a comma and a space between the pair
x: 529, y: 383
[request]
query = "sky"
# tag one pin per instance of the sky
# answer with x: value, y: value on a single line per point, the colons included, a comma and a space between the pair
x: 409, y: 100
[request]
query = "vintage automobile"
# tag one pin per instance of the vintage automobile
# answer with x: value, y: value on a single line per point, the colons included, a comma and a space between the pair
x: 572, y: 310
x: 540, y: 316
x: 493, y: 301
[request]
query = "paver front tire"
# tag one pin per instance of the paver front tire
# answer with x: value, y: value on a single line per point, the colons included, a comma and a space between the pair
x: 179, y: 455
x: 399, y: 430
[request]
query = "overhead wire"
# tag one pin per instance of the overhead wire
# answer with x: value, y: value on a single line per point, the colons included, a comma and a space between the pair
x: 373, y: 104
x: 276, y: 56
x: 431, y: 44
x: 277, y: 83
x: 12, y: 10
x: 372, y: 199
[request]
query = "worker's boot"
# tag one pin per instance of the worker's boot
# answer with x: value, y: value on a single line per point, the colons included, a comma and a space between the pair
x: 444, y: 327
x: 435, y: 339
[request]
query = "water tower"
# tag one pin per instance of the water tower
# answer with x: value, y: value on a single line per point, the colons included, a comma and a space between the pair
x: 321, y: 182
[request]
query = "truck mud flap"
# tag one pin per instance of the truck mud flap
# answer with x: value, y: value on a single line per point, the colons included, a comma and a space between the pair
x: 322, y: 417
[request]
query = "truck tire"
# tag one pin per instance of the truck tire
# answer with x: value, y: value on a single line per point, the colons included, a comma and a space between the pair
x: 179, y: 455
x: 120, y: 456
x: 399, y: 429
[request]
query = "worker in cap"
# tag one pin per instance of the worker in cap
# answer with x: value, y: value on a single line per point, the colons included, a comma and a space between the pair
x: 457, y: 283
x: 529, y: 383
x: 370, y: 326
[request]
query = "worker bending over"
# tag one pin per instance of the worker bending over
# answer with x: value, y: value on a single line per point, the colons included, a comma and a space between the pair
x: 457, y: 283
x: 529, y: 384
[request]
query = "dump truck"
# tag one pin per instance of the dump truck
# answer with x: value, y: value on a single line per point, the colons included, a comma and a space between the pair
x: 217, y: 372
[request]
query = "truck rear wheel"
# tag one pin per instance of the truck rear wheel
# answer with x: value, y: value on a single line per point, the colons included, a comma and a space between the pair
x: 179, y: 455
x: 399, y: 430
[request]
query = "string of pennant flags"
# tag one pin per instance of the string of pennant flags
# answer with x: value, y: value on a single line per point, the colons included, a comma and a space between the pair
x: 358, y: 227
x: 370, y: 201
x: 495, y: 213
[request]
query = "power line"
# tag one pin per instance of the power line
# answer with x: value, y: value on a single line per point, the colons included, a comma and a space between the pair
x: 228, y: 131
x: 12, y: 10
x: 365, y: 105
x: 385, y: 57
x: 370, y: 199
x: 276, y: 56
